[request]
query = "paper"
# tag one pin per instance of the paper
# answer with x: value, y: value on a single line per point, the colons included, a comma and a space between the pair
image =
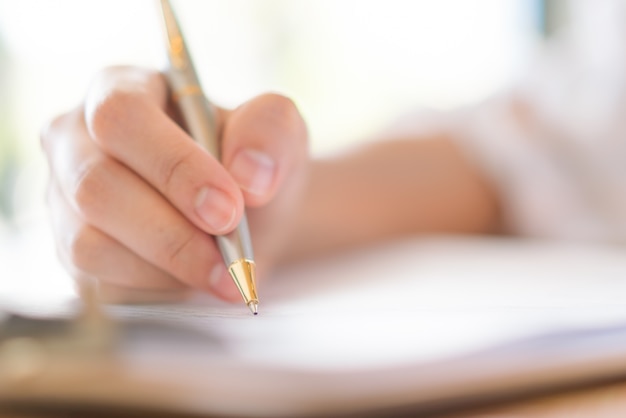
x: 391, y: 325
x: 413, y: 302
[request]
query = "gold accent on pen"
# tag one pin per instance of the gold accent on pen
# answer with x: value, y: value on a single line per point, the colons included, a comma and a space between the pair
x: 177, y: 51
x: 198, y: 115
x: 175, y: 42
x: 191, y: 90
x: 243, y: 273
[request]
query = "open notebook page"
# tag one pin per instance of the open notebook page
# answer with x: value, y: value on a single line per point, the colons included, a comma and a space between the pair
x: 406, y: 305
x: 413, y: 302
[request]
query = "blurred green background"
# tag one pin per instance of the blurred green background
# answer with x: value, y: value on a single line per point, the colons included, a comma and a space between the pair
x: 8, y: 147
x: 350, y: 65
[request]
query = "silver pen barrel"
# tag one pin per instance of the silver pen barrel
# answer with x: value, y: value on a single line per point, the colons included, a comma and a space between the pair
x: 199, y: 118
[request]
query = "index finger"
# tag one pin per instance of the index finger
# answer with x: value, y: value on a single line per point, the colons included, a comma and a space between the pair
x: 125, y: 112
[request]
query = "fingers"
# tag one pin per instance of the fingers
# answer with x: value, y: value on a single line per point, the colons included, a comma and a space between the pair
x: 125, y: 115
x: 112, y: 199
x: 89, y: 251
x: 262, y: 142
x: 134, y: 197
x: 120, y: 277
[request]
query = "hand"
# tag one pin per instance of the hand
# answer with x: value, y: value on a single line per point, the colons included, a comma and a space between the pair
x: 134, y: 201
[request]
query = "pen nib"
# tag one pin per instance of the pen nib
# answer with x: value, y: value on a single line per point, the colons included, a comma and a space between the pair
x: 243, y: 273
x: 254, y: 307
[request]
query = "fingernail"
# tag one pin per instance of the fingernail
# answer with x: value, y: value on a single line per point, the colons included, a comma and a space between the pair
x: 215, y: 208
x: 254, y: 171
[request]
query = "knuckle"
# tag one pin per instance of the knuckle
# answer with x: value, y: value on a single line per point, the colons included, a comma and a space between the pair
x: 176, y: 250
x: 181, y: 252
x: 52, y: 129
x: 90, y: 185
x: 112, y: 110
x: 173, y: 165
x: 83, y: 248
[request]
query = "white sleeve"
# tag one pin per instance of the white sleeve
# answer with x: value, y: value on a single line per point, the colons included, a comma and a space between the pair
x: 550, y: 185
x: 555, y: 147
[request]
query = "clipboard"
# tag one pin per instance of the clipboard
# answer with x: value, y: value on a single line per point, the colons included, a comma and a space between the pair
x: 199, y: 358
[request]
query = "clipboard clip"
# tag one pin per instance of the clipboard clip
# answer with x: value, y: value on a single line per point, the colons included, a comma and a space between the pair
x: 29, y: 344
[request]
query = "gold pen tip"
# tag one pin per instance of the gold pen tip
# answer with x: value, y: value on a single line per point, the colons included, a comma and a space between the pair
x: 254, y: 307
x: 243, y: 273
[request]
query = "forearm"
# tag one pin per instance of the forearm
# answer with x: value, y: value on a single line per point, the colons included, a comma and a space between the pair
x: 389, y: 189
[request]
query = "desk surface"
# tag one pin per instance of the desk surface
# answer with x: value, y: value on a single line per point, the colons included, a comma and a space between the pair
x: 501, y: 289
x: 602, y: 402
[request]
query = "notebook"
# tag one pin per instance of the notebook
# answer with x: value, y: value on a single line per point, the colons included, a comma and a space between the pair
x: 418, y: 327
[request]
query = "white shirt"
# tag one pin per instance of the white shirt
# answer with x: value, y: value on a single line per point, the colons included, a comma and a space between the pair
x: 555, y: 146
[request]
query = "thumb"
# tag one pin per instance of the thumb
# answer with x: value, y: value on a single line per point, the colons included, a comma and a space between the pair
x: 263, y: 140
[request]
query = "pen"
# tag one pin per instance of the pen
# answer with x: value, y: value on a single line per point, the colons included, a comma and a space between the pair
x: 198, y: 115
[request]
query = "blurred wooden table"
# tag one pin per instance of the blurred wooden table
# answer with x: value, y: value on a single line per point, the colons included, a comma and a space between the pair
x: 608, y: 401
x: 601, y: 402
